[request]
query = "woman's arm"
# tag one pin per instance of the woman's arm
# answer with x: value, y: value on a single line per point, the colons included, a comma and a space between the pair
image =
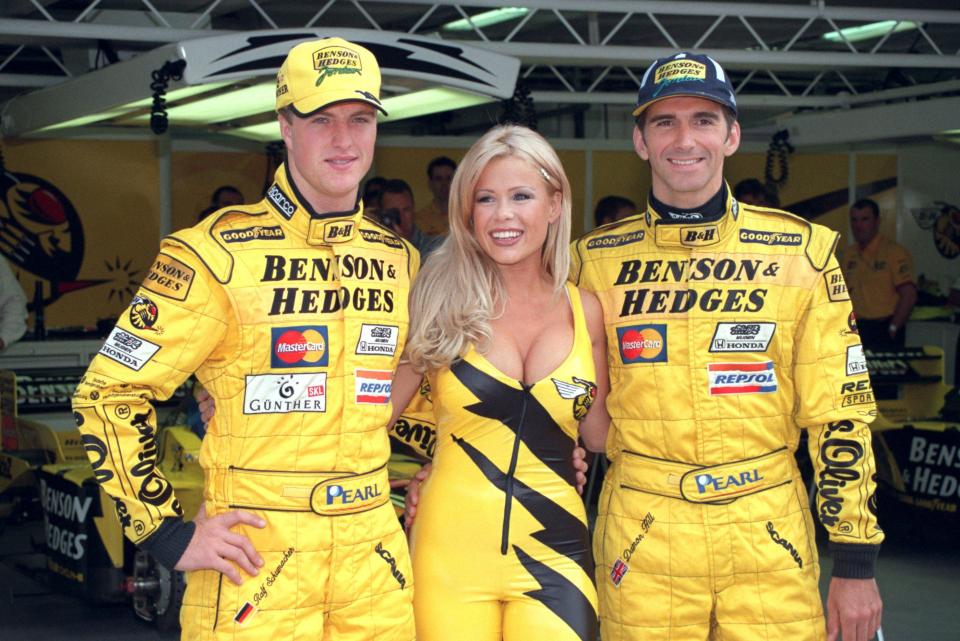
x: 594, y: 427
x: 406, y: 382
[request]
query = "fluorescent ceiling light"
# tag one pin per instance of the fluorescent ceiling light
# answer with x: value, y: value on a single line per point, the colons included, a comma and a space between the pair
x: 117, y: 112
x: 232, y: 105
x: 870, y: 31
x: 487, y: 18
x: 411, y: 105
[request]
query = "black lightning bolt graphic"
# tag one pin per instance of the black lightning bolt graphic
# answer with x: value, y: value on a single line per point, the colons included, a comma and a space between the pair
x: 561, y: 597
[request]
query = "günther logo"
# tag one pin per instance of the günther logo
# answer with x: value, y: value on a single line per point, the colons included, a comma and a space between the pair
x: 643, y: 343
x: 728, y: 483
x: 741, y: 378
x: 285, y: 393
x: 305, y: 346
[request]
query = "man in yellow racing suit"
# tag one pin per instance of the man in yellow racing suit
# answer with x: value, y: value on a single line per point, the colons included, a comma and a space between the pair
x: 730, y: 331
x: 293, y: 314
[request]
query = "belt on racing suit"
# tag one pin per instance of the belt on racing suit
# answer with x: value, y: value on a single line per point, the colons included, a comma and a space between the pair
x: 713, y: 484
x: 324, y: 493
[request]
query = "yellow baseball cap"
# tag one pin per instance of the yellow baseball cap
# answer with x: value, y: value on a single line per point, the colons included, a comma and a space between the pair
x: 319, y: 73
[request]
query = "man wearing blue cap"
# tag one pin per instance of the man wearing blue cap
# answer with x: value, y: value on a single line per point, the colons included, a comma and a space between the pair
x: 730, y: 331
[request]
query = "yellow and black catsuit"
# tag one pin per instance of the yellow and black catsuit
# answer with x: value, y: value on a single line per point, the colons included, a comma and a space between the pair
x: 500, y: 545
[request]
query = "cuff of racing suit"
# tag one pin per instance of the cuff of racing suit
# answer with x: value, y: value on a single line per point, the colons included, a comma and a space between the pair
x: 854, y: 560
x: 170, y: 541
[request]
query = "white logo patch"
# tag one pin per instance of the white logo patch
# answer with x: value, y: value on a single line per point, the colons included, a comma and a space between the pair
x: 285, y: 393
x: 128, y: 350
x: 742, y: 337
x: 373, y: 386
x: 378, y: 340
x: 856, y: 361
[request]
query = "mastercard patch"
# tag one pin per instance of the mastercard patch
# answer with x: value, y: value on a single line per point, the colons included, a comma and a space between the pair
x: 643, y: 343
x: 305, y: 346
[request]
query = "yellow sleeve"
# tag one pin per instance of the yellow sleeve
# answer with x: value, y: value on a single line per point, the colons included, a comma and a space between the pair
x: 415, y: 432
x: 835, y: 403
x: 901, y: 266
x: 178, y: 317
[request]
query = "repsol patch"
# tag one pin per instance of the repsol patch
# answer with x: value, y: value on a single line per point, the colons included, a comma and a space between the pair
x: 770, y: 238
x: 836, y: 285
x: 252, y: 233
x: 615, y: 240
x: 741, y: 378
x: 169, y: 277
x: 281, y: 201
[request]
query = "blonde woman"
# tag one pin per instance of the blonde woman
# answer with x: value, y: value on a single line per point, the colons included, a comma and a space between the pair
x: 516, y: 361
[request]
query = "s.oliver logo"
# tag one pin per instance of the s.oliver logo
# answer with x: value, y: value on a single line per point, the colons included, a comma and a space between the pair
x: 285, y: 393
x: 306, y: 346
x: 643, y: 343
x: 373, y: 386
x: 741, y: 378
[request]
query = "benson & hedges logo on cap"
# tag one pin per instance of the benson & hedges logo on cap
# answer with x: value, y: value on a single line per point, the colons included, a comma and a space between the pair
x: 685, y: 74
x: 333, y: 61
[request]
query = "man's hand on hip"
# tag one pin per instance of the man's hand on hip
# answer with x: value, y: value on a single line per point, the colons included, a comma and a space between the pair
x: 854, y: 609
x: 214, y: 545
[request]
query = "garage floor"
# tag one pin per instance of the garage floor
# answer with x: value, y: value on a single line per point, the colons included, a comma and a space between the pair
x: 920, y: 584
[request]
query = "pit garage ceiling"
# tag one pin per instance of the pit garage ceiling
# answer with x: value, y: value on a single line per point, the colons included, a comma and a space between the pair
x: 576, y: 57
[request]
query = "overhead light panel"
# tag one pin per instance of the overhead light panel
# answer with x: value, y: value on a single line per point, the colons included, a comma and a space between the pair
x: 870, y: 31
x: 240, y: 103
x: 411, y: 105
x: 487, y: 18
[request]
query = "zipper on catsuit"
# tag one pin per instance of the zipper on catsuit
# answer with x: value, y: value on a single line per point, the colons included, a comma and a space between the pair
x: 508, y: 491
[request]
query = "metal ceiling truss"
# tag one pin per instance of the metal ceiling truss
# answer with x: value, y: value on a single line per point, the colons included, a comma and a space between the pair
x: 572, y: 51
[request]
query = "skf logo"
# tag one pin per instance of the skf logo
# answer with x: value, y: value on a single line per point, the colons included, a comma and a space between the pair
x: 836, y: 286
x: 143, y: 313
x: 373, y: 386
x: 279, y: 200
x: 741, y: 378
x: 299, y: 346
x: 619, y: 569
x: 339, y: 495
x: 581, y: 392
x: 338, y: 231
x: 770, y: 238
x: 710, y: 483
x: 698, y: 236
x: 643, y: 343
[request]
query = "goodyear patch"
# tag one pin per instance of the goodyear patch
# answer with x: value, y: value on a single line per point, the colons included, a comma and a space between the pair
x: 770, y: 238
x: 247, y: 234
x: 836, y: 285
x: 374, y: 236
x: 169, y: 277
x: 615, y: 240
x: 680, y: 71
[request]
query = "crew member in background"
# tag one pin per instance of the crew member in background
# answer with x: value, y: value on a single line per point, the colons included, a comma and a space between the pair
x: 727, y: 336
x: 397, y: 212
x: 879, y: 275
x: 434, y: 218
x: 293, y: 313
x: 751, y: 191
x: 610, y: 209
x: 223, y: 196
x: 13, y: 307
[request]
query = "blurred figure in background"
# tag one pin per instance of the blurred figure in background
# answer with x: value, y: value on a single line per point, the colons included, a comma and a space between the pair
x: 372, y: 190
x: 879, y: 275
x: 223, y: 196
x: 398, y: 213
x: 753, y: 192
x: 13, y: 307
x: 611, y: 209
x: 433, y: 218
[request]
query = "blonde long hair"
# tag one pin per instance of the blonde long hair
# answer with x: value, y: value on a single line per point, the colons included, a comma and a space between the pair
x: 460, y: 289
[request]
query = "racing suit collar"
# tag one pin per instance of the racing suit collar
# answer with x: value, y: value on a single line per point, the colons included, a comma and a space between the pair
x: 670, y: 233
x: 297, y: 214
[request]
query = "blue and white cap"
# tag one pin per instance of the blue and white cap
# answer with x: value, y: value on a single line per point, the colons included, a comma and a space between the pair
x: 685, y: 74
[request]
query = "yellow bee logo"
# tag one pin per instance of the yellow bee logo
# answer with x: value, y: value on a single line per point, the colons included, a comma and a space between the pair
x: 582, y: 392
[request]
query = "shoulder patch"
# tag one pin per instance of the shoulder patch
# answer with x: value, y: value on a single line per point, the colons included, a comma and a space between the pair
x: 169, y: 277
x: 818, y: 241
